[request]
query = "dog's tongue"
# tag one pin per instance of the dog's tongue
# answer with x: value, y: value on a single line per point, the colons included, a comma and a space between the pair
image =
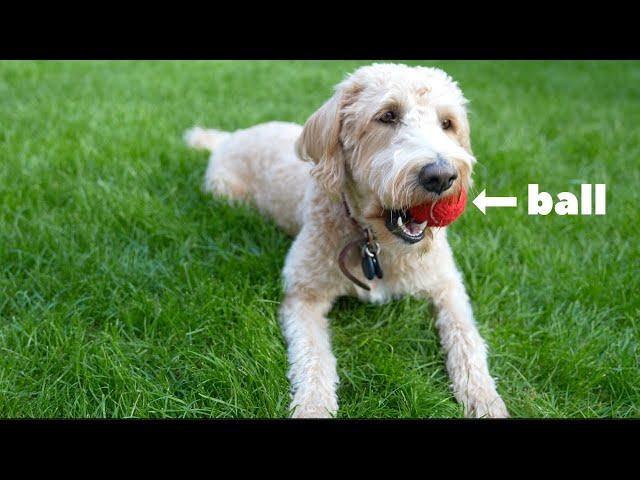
x: 442, y: 212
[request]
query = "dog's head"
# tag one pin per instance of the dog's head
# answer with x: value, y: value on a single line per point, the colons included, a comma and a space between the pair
x: 391, y: 137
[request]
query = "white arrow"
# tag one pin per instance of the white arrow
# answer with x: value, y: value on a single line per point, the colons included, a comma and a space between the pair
x: 482, y: 202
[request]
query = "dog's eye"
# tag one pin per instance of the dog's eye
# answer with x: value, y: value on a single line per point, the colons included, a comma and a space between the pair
x: 446, y: 124
x: 388, y: 117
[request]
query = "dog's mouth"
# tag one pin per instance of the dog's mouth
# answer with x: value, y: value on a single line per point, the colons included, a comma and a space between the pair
x: 401, y: 224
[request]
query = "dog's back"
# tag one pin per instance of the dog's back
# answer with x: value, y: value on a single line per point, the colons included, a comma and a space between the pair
x: 258, y: 165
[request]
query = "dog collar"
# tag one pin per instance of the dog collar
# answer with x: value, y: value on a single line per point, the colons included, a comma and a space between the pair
x: 369, y: 249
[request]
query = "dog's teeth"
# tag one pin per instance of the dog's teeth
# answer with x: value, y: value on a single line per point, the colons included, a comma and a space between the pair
x: 423, y: 225
x: 399, y: 221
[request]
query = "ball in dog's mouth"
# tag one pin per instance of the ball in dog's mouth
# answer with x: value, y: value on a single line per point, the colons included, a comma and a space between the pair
x: 411, y: 224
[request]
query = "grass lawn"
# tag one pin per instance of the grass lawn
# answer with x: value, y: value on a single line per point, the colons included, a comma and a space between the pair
x: 126, y: 292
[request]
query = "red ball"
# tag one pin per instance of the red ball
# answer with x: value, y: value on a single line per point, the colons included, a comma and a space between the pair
x: 442, y: 212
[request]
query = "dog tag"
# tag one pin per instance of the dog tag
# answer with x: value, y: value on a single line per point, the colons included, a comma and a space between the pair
x: 370, y: 263
x: 368, y: 266
x: 376, y: 266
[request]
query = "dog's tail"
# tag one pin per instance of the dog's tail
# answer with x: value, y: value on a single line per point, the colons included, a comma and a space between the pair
x: 205, y: 139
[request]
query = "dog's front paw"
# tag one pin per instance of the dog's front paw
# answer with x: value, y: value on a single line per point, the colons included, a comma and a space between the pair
x: 317, y: 406
x: 311, y: 411
x: 485, y: 406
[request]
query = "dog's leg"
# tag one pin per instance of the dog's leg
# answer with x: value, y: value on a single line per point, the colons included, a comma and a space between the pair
x: 473, y: 386
x: 312, y: 366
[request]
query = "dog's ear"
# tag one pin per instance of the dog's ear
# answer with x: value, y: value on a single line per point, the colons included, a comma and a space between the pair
x: 320, y: 141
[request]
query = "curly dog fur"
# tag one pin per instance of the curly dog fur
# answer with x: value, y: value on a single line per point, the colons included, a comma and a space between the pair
x: 372, y: 141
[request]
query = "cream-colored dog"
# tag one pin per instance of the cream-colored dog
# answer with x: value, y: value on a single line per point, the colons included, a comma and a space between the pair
x: 391, y: 137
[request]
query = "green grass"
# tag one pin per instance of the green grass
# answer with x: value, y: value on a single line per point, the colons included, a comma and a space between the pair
x: 126, y: 292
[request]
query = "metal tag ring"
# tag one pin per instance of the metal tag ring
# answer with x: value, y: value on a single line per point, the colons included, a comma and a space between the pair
x: 375, y: 251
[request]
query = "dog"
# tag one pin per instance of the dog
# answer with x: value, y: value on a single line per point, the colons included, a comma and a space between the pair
x: 391, y: 137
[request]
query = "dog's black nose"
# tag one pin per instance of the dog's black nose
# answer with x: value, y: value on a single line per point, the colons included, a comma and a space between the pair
x: 438, y: 176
